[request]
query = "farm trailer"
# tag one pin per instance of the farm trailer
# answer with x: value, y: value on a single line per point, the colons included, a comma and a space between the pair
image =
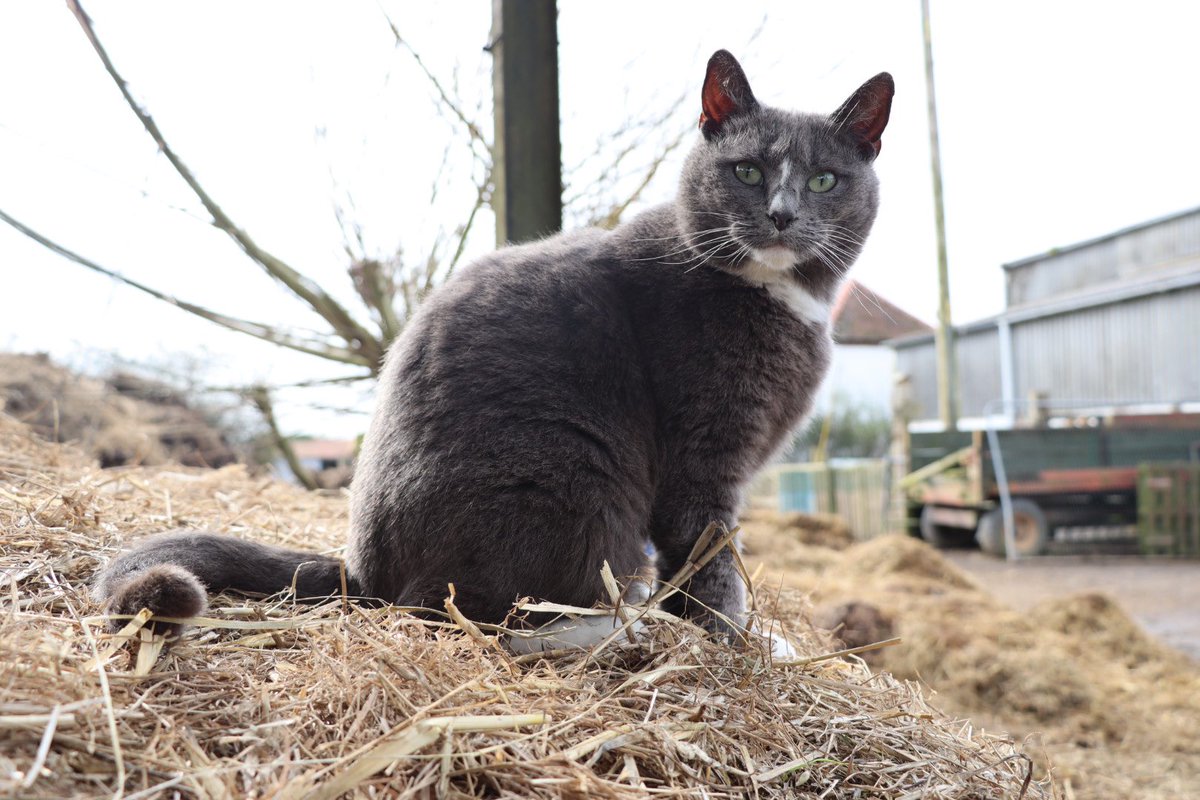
x: 1122, y: 482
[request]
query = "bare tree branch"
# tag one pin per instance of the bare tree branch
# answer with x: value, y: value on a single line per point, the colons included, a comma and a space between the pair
x: 353, y: 242
x: 593, y: 202
x: 432, y: 262
x: 375, y: 283
x: 258, y: 330
x: 472, y: 129
x: 465, y: 230
x: 262, y: 400
x: 613, y: 216
x: 358, y: 337
x: 343, y: 380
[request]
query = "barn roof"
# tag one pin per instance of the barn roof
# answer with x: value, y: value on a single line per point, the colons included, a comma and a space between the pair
x: 861, y: 316
x: 1117, y: 234
x: 324, y: 449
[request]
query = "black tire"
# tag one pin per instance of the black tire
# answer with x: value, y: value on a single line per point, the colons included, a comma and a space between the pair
x: 989, y: 533
x: 937, y: 535
x: 1032, y: 531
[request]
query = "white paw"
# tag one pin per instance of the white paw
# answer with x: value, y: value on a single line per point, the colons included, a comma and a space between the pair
x: 781, y: 648
x: 578, y: 632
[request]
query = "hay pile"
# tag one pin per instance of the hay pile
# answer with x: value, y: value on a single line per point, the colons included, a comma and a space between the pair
x: 813, y: 530
x: 266, y: 699
x: 789, y: 543
x: 1117, y: 713
x: 123, y: 420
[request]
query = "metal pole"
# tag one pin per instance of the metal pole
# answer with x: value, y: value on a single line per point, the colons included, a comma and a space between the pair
x: 1006, y: 509
x: 947, y: 369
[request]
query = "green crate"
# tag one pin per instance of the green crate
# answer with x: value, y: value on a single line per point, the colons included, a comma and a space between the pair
x: 1169, y: 509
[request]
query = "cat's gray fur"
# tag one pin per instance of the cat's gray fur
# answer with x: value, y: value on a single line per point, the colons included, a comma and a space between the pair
x: 556, y: 405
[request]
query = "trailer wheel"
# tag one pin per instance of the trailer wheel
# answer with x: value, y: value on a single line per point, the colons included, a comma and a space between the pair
x: 989, y: 534
x: 937, y: 535
x: 1030, y: 530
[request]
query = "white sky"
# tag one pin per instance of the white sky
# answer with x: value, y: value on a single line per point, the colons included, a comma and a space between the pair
x: 1059, y: 121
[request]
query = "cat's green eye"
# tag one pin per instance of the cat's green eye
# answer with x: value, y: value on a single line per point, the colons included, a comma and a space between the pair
x: 748, y: 174
x: 822, y: 182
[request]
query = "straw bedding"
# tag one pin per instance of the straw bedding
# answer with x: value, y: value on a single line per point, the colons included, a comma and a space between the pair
x: 263, y: 698
x: 1115, y: 711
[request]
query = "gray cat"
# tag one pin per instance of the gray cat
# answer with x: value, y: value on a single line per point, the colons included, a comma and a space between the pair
x: 556, y: 405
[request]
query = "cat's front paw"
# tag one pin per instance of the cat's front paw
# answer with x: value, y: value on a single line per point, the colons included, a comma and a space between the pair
x: 724, y: 618
x: 729, y: 626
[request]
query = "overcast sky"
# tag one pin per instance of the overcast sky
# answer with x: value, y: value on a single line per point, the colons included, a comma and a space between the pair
x: 1060, y: 121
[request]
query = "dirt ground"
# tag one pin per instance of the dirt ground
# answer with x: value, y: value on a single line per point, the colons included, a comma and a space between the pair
x: 1163, y: 596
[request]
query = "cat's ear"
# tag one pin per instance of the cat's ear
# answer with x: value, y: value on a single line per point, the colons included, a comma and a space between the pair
x: 864, y: 116
x: 726, y: 93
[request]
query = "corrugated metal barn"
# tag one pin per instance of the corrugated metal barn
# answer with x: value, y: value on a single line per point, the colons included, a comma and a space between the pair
x: 1111, y: 322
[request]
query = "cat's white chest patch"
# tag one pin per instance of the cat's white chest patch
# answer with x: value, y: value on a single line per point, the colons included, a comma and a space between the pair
x: 770, y: 268
x: 800, y: 302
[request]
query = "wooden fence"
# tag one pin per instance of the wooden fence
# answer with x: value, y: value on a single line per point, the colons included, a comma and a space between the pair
x: 856, y: 490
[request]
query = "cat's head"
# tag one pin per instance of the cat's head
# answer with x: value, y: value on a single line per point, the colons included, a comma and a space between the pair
x: 773, y: 195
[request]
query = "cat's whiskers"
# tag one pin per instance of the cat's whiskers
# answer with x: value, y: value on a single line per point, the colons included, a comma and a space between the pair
x: 854, y: 235
x: 744, y: 250
x: 720, y: 215
x: 684, y: 236
x: 871, y: 298
x: 687, y: 253
x: 874, y: 300
x: 689, y: 241
x: 833, y: 227
x: 849, y: 245
x: 704, y: 257
x: 844, y: 253
x: 845, y: 243
x: 845, y: 236
x: 828, y: 257
x: 680, y: 235
x: 707, y: 249
x: 728, y: 239
x: 712, y: 251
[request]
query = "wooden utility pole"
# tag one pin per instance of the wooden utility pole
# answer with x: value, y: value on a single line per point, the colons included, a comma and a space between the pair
x: 947, y: 371
x: 527, y: 161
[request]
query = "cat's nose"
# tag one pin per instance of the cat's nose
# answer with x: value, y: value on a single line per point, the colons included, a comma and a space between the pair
x: 781, y: 219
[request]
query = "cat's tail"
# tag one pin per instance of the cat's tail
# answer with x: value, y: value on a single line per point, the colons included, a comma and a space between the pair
x: 172, y: 573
